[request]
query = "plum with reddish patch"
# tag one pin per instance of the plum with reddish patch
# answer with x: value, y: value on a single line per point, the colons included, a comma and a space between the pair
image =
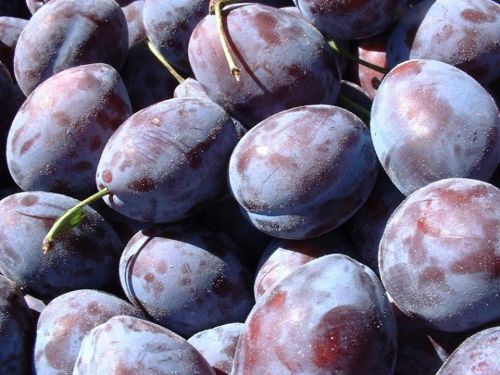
x: 85, y: 257
x: 167, y: 161
x: 217, y: 345
x: 439, y: 257
x: 186, y: 278
x: 64, y: 323
x: 130, y: 345
x: 59, y: 133
x: 329, y: 316
x: 304, y: 171
x: 432, y: 121
x: 64, y: 34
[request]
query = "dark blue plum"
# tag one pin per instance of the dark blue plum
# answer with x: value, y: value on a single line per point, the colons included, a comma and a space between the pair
x: 225, y: 215
x: 57, y: 136
x: 64, y: 323
x: 169, y: 25
x: 186, y: 278
x: 217, y: 345
x: 463, y: 33
x: 167, y: 161
x: 17, y: 330
x: 350, y: 19
x: 276, y: 74
x: 304, y: 171
x: 129, y: 345
x: 64, y: 34
x: 330, y: 316
x: 366, y: 227
x: 439, y: 258
x: 133, y: 11
x: 432, y: 121
x: 85, y: 257
x: 146, y: 79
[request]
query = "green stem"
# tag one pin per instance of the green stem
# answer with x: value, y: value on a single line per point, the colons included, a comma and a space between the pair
x: 356, y: 59
x: 70, y: 219
x: 164, y: 61
x: 217, y: 6
x: 357, y: 109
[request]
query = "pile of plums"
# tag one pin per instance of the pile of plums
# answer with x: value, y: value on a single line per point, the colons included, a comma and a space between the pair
x: 274, y: 187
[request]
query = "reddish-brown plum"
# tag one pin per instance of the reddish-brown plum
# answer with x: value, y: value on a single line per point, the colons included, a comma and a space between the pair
x: 432, y: 121
x: 64, y: 34
x: 276, y: 73
x: 304, y: 171
x: 439, y: 254
x: 186, y: 278
x: 330, y: 316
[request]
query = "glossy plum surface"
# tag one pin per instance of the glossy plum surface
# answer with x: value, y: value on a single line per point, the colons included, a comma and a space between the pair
x: 304, y: 171
x: 275, y: 74
x: 64, y: 323
x: 129, y: 345
x: 439, y: 257
x: 186, y: 278
x: 322, y: 319
x: 85, y: 257
x: 167, y: 161
x: 64, y: 34
x: 463, y: 33
x: 59, y: 133
x: 432, y: 121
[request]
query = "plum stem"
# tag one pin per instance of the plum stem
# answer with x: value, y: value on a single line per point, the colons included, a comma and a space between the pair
x: 355, y: 108
x: 216, y: 7
x: 164, y: 61
x: 69, y: 220
x: 356, y: 59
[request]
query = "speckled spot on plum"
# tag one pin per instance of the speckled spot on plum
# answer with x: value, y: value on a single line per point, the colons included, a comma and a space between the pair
x: 29, y: 200
x: 107, y: 176
x: 475, y: 16
x: 27, y: 145
x: 143, y: 185
x: 266, y: 23
x: 221, y: 286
